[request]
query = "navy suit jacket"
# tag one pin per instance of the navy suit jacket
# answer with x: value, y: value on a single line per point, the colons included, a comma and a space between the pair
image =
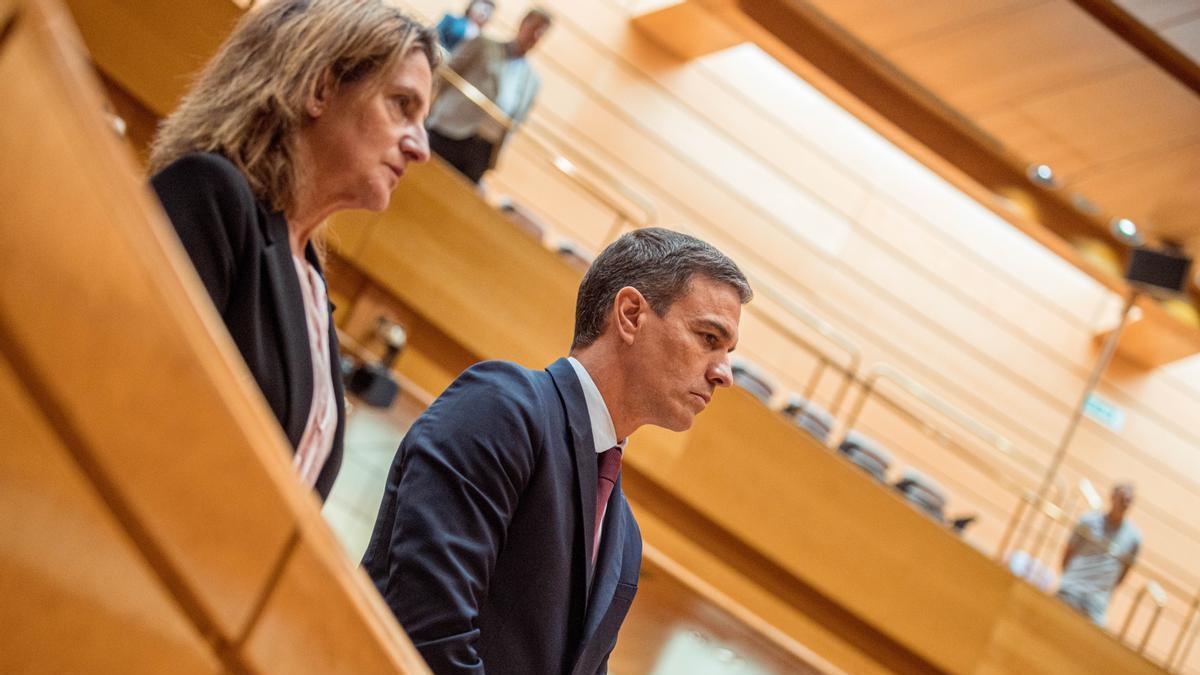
x: 482, y: 546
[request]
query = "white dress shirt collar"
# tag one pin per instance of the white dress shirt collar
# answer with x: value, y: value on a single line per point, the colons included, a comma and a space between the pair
x: 604, y: 434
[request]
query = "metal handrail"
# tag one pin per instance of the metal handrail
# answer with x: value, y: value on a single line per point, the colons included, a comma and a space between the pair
x: 557, y: 159
x: 1159, y: 598
x: 883, y: 371
x: 849, y: 370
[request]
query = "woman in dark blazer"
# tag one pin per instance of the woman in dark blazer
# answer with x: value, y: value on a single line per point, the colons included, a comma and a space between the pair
x: 310, y: 107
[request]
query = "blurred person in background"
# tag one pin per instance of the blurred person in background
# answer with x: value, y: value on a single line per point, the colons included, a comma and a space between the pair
x: 1099, y: 553
x: 453, y: 30
x: 460, y: 132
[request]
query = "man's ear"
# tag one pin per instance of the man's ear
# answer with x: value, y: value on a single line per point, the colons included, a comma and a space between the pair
x: 629, y: 313
x: 318, y: 98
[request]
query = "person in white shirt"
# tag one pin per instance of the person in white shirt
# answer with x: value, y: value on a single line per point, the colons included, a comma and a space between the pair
x: 1098, y: 556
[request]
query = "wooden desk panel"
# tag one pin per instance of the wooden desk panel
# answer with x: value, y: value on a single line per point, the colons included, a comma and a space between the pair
x: 133, y: 360
x: 77, y: 595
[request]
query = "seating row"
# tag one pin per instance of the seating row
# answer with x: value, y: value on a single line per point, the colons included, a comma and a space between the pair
x: 918, y: 489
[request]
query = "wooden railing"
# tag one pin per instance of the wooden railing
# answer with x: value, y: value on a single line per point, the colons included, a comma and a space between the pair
x: 150, y: 521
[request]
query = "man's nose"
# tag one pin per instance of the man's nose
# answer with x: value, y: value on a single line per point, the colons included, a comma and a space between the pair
x: 721, y: 373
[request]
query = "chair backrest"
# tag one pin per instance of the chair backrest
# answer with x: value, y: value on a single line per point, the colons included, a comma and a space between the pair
x: 866, y: 453
x: 923, y: 492
x: 749, y: 377
x: 809, y: 416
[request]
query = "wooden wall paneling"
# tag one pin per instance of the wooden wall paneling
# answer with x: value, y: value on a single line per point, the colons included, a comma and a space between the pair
x: 909, y: 238
x: 1038, y: 56
x: 976, y: 474
x: 78, y: 595
x: 450, y: 238
x: 91, y: 253
x: 431, y: 359
x: 181, y: 37
x: 1014, y: 129
x: 1112, y: 185
x: 561, y: 203
x: 909, y: 187
x: 1146, y: 110
x: 892, y: 24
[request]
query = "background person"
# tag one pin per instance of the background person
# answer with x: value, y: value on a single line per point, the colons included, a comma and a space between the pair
x: 460, y: 132
x: 308, y: 108
x: 1098, y: 556
x: 453, y: 30
x: 504, y: 543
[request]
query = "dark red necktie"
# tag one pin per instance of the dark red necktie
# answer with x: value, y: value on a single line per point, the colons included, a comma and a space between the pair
x: 609, y: 463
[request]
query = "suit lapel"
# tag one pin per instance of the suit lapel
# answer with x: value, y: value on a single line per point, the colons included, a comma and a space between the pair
x: 584, y: 450
x: 288, y: 299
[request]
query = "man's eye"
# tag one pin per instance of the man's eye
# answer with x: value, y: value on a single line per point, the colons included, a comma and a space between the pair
x: 710, y: 339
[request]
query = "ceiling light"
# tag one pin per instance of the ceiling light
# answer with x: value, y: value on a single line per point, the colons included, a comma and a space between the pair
x: 1041, y: 174
x: 1126, y: 230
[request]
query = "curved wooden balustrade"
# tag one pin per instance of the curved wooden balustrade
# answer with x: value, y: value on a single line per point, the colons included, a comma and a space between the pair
x: 150, y: 519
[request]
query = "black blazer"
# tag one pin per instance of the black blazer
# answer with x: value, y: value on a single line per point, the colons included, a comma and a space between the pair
x: 240, y: 249
x: 482, y: 547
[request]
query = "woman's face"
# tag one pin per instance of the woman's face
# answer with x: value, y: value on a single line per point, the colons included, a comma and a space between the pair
x: 363, y: 136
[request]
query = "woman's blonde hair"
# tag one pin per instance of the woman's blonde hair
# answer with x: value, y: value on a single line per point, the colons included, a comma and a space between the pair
x: 249, y: 101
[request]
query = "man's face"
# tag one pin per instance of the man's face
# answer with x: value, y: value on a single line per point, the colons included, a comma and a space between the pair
x: 532, y: 28
x: 680, y: 358
x: 1122, y: 498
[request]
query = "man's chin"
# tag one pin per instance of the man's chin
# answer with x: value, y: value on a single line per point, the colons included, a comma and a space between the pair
x: 679, y: 424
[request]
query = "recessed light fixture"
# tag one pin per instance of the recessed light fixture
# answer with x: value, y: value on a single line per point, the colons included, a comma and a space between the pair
x: 1041, y: 174
x: 1127, y: 231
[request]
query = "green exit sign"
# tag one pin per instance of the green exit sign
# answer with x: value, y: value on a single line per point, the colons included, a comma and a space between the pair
x: 1104, y: 412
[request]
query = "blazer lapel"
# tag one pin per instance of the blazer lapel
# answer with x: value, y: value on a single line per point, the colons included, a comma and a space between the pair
x: 584, y: 449
x: 288, y: 299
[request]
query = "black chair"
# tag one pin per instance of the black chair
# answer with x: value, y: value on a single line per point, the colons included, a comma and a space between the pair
x: 866, y: 453
x: 747, y: 376
x: 808, y: 416
x: 922, y: 492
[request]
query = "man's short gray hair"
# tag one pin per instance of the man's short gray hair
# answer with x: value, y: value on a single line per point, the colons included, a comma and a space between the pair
x: 660, y: 264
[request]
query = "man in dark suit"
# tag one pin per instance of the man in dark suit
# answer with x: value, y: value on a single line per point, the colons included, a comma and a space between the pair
x: 504, y: 543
